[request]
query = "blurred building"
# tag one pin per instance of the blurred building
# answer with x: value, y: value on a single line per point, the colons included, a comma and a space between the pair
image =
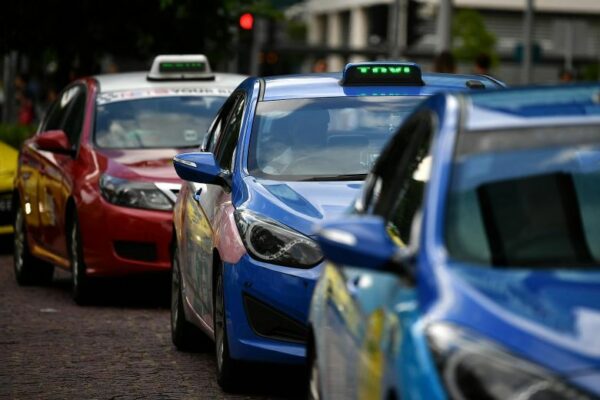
x: 566, y: 33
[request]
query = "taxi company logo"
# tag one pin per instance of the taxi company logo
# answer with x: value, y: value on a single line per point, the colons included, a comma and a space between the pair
x: 384, y: 70
x: 110, y: 97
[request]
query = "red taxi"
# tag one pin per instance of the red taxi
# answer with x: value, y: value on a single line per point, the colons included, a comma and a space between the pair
x: 95, y: 186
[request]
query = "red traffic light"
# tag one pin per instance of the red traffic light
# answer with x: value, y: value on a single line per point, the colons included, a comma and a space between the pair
x: 246, y: 21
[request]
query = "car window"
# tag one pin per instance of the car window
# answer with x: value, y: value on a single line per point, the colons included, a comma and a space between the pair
x: 155, y: 122
x: 403, y: 174
x: 67, y: 113
x: 526, y: 197
x: 218, y: 124
x: 227, y: 143
x: 329, y: 138
x: 74, y: 119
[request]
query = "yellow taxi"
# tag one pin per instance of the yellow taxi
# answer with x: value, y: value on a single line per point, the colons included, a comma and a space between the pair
x: 8, y: 169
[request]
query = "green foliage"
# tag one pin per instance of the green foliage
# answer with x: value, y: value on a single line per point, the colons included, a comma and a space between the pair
x: 14, y: 135
x: 132, y: 30
x: 591, y: 72
x: 471, y: 37
x: 297, y: 31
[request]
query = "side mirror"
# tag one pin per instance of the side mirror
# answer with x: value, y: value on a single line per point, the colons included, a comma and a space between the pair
x: 360, y: 241
x: 200, y: 167
x: 54, y: 141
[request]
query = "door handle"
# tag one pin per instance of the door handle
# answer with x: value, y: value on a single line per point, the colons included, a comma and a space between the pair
x: 197, y: 194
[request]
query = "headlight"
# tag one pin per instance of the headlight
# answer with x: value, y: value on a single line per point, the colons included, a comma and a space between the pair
x: 474, y: 368
x: 133, y: 194
x: 272, y: 242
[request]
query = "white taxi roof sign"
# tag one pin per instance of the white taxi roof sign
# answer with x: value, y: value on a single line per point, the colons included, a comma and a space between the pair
x: 180, y: 67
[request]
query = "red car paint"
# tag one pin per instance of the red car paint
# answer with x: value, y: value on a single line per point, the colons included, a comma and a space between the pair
x: 51, y: 187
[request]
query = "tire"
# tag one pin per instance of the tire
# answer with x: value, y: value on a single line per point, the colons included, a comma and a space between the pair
x: 228, y: 370
x: 28, y: 269
x: 81, y: 285
x: 313, y: 391
x: 184, y: 335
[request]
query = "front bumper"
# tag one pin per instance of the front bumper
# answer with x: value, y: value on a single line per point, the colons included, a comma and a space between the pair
x: 121, y: 241
x: 283, y: 294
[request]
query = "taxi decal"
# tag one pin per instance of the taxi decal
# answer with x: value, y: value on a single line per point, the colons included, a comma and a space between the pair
x: 111, y: 97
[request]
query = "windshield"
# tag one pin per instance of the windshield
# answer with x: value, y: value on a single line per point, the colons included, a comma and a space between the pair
x: 526, y: 197
x: 157, y: 122
x: 323, y: 138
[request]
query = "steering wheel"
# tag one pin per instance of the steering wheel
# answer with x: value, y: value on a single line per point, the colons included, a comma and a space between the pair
x: 316, y: 162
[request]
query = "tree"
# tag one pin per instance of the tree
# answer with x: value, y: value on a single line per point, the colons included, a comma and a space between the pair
x: 76, y: 34
x: 471, y: 37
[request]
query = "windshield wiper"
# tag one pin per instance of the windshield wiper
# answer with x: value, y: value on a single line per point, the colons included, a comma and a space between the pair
x: 343, y: 177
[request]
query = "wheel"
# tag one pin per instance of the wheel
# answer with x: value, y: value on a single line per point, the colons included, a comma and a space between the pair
x: 228, y: 370
x: 314, y: 384
x: 80, y: 280
x: 185, y: 336
x: 28, y: 269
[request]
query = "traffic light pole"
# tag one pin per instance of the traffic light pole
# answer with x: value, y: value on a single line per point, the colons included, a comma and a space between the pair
x: 400, y: 25
x: 527, y: 43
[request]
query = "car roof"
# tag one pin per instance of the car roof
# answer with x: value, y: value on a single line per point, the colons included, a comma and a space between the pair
x: 528, y: 106
x: 328, y: 85
x: 138, y: 80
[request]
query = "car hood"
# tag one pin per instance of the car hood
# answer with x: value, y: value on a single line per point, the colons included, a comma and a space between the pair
x: 298, y: 205
x: 146, y: 164
x: 550, y: 317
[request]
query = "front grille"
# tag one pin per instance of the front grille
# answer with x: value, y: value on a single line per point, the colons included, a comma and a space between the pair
x: 268, y: 322
x: 6, y: 216
x: 139, y: 251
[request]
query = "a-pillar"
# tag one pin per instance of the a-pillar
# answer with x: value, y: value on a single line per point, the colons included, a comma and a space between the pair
x: 359, y: 32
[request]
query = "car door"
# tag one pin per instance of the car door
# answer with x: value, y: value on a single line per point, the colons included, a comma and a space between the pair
x: 34, y: 164
x: 57, y: 177
x: 360, y: 304
x: 202, y: 204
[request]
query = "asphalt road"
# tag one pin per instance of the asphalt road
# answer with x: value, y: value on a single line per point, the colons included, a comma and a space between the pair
x: 117, y: 348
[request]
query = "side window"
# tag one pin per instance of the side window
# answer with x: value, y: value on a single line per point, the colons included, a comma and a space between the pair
x: 379, y: 182
x: 54, y: 118
x: 227, y: 143
x: 67, y: 113
x: 73, y: 123
x: 214, y: 132
x: 401, y: 194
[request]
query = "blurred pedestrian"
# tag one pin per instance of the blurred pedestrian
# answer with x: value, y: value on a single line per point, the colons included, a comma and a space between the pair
x: 566, y: 76
x: 444, y: 62
x: 320, y: 65
x: 26, y: 111
x: 24, y: 100
x: 483, y: 63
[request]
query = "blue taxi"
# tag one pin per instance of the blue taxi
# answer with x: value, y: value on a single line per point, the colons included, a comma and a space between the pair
x: 283, y: 153
x: 469, y: 267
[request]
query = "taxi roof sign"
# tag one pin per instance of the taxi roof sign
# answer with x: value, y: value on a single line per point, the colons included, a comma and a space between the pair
x: 385, y: 73
x: 180, y: 67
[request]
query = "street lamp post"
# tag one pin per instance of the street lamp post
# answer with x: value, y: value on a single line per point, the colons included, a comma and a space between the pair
x: 527, y: 42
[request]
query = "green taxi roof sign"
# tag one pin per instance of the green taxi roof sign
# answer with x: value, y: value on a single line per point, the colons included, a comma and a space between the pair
x: 180, y: 67
x: 384, y: 73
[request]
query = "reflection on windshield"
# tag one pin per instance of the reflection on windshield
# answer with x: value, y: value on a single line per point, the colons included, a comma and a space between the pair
x: 532, y: 206
x: 159, y: 122
x: 327, y: 138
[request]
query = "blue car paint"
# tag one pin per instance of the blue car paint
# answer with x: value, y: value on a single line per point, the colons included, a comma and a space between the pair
x: 299, y: 205
x: 548, y: 317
